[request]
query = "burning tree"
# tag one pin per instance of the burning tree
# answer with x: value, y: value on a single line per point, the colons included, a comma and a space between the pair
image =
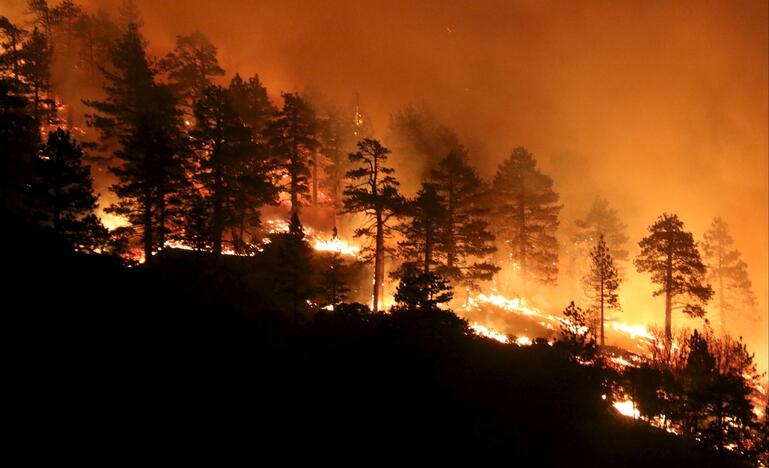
x: 727, y: 271
x: 63, y: 192
x: 141, y: 116
x: 671, y: 256
x: 527, y: 210
x: 467, y: 237
x: 373, y: 191
x: 602, y: 281
x: 293, y: 139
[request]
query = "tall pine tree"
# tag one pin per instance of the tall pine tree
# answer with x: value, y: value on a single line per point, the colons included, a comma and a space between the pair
x: 140, y: 119
x: 468, y: 238
x: 292, y: 137
x: 527, y: 211
x: 423, y: 231
x: 373, y: 191
x: 670, y: 255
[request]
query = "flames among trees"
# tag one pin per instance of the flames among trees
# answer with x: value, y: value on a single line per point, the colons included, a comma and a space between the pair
x: 197, y: 163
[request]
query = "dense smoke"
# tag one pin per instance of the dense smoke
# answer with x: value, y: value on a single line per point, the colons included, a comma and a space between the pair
x: 656, y: 106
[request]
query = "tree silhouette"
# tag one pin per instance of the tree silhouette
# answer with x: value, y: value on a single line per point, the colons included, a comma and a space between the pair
x: 294, y: 270
x: 10, y: 49
x: 468, y: 239
x: 527, y: 212
x: 602, y: 281
x: 141, y: 118
x: 292, y: 136
x: 36, y: 70
x: 373, y: 191
x: 65, y: 15
x: 727, y: 271
x: 19, y: 140
x: 423, y: 233
x: 63, y: 190
x: 191, y: 66
x: 671, y: 256
x: 233, y: 167
x: 576, y: 326
x: 421, y: 291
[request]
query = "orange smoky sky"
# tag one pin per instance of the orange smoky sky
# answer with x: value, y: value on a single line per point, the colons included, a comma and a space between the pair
x: 657, y: 106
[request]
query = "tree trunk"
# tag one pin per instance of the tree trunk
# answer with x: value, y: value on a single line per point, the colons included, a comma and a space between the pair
x: 428, y: 246
x: 668, y: 296
x: 147, y: 226
x: 450, y: 248
x: 378, y: 261
x: 602, y: 301
x: 314, y: 178
x: 217, y: 208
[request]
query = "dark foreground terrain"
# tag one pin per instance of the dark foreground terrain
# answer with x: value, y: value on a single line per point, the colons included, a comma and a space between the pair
x: 188, y: 360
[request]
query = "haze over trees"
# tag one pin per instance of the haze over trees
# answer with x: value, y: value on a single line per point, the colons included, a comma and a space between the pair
x: 727, y: 272
x: 672, y: 258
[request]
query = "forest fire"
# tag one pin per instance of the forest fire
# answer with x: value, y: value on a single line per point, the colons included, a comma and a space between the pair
x: 463, y: 226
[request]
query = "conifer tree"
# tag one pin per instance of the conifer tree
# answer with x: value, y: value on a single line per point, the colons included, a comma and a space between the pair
x: 373, y: 191
x: 602, y: 220
x: 64, y: 16
x: 19, y: 141
x: 527, y: 213
x: 63, y: 191
x: 670, y: 255
x: 10, y: 49
x: 602, y: 281
x: 727, y: 272
x: 140, y: 117
x: 292, y: 136
x: 192, y: 66
x: 233, y: 167
x: 36, y: 72
x: 422, y: 231
x: 468, y: 238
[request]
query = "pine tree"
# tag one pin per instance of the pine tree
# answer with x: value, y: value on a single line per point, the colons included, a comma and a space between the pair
x: 373, y: 191
x: 602, y: 281
x: 671, y: 256
x: 10, y: 48
x: 423, y: 232
x: 292, y: 137
x: 192, y: 66
x: 65, y: 16
x: 726, y: 271
x: 233, y: 170
x: 141, y: 117
x: 63, y: 190
x: 36, y: 72
x: 468, y: 239
x: 95, y: 33
x: 43, y: 19
x: 603, y: 220
x: 527, y: 212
